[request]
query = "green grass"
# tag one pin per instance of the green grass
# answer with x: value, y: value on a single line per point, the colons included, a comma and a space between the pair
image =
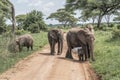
x: 7, y: 59
x: 107, y: 54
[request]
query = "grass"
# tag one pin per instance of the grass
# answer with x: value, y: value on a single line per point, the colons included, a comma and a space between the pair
x: 7, y: 59
x: 107, y: 54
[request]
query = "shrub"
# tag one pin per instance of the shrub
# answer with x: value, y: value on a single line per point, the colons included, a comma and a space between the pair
x: 13, y: 47
x: 118, y: 26
x: 115, y: 33
x: 112, y: 25
x: 34, y: 28
x: 20, y: 32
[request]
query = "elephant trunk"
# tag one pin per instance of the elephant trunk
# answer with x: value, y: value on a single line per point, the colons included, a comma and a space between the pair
x: 91, y: 50
x: 61, y: 47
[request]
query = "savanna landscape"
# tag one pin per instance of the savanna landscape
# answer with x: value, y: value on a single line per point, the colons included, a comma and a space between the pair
x: 17, y: 62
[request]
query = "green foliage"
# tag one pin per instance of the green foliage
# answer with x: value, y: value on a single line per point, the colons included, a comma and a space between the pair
x: 118, y: 26
x: 34, y: 28
x: 20, y: 32
x: 8, y: 59
x: 20, y: 20
x: 63, y: 16
x: 115, y: 33
x: 93, y: 8
x: 107, y: 56
x: 34, y: 19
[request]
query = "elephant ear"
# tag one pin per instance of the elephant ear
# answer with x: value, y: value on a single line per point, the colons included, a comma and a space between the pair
x: 81, y: 34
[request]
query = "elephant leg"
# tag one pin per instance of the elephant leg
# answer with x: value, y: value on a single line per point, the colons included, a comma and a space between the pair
x: 88, y: 49
x: 31, y: 47
x: 92, y: 56
x: 79, y: 57
x: 82, y: 57
x: 68, y: 54
x: 50, y: 47
x: 85, y: 52
x: 53, y: 47
x: 58, y: 48
x: 20, y: 48
x: 27, y: 48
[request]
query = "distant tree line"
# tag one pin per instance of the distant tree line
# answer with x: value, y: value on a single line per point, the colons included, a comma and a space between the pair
x: 90, y: 9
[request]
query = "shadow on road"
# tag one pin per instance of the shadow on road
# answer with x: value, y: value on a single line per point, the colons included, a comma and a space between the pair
x: 73, y: 60
x: 46, y: 54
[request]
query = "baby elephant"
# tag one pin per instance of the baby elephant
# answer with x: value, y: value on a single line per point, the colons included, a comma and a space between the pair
x: 25, y: 41
x: 79, y: 52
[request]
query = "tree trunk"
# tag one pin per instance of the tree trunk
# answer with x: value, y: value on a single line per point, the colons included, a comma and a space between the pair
x: 93, y: 20
x: 13, y: 19
x: 107, y: 17
x: 99, y: 21
x: 13, y: 16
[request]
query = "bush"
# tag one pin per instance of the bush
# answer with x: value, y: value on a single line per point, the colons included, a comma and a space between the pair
x: 115, y: 33
x: 20, y: 32
x: 13, y: 47
x: 112, y: 25
x: 34, y: 28
x: 118, y: 26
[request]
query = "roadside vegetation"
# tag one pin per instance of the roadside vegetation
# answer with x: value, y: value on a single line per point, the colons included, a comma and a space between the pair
x: 107, y: 54
x: 8, y: 59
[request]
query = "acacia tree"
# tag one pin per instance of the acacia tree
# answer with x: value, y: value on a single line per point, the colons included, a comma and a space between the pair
x: 64, y: 17
x: 104, y: 7
x: 34, y: 20
x: 9, y: 12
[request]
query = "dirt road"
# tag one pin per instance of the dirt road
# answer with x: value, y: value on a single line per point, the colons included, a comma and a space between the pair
x: 42, y: 66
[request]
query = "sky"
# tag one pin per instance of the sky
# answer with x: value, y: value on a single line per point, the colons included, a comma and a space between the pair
x: 46, y: 6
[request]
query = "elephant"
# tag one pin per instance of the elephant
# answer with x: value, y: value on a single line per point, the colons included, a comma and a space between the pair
x: 80, y: 54
x: 25, y: 40
x: 55, y: 36
x: 80, y: 38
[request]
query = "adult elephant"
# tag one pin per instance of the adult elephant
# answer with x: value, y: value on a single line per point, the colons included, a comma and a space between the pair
x: 55, y: 36
x: 78, y: 38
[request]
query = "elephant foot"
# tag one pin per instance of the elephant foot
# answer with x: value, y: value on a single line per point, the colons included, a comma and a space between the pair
x: 93, y: 59
x: 59, y: 54
x: 52, y: 53
x: 70, y: 57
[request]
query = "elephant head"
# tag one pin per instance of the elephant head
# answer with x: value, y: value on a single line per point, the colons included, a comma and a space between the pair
x: 87, y: 38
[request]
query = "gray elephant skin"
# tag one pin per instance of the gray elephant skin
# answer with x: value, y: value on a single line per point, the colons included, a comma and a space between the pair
x: 80, y: 38
x: 55, y: 36
x: 25, y: 40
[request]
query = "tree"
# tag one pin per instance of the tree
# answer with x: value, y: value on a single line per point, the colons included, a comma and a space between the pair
x: 117, y: 18
x: 104, y: 7
x: 34, y: 17
x: 20, y: 19
x: 64, y: 17
x: 8, y: 12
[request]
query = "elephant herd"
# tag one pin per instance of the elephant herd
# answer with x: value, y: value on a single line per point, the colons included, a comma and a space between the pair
x: 75, y: 38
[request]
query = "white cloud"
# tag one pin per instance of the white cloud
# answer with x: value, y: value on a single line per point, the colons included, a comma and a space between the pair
x: 35, y: 3
x: 50, y: 4
x: 48, y: 7
x: 22, y: 1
